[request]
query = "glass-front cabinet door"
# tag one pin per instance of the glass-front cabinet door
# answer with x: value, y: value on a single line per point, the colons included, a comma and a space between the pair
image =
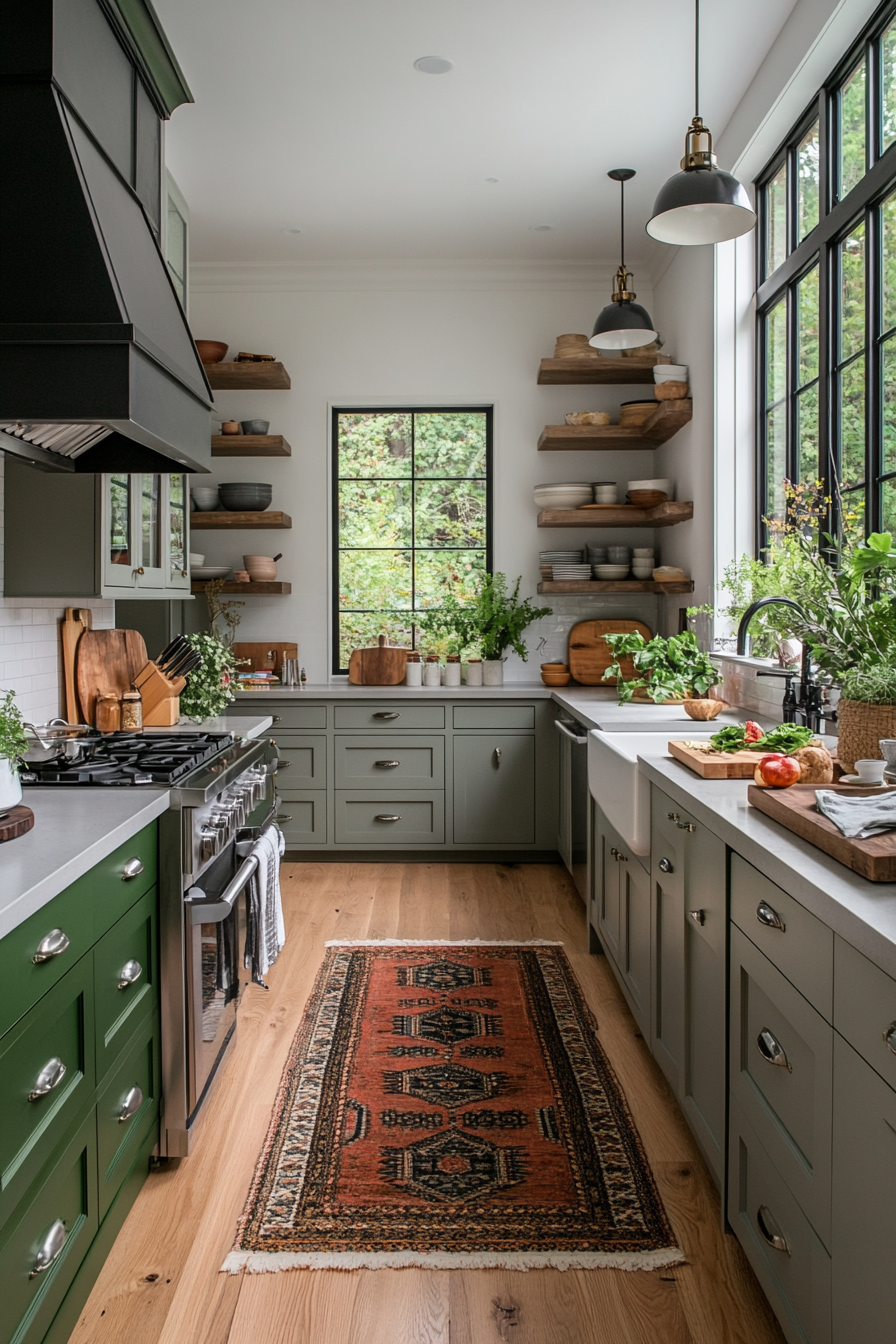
x: 178, y: 508
x: 145, y: 535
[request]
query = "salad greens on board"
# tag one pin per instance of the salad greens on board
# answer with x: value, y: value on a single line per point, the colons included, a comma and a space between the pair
x: 785, y: 739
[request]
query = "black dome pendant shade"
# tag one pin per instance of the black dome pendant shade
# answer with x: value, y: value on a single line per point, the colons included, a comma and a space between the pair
x: 623, y: 324
x: 702, y: 203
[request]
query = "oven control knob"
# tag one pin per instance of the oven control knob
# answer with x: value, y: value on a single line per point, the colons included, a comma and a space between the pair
x: 209, y: 843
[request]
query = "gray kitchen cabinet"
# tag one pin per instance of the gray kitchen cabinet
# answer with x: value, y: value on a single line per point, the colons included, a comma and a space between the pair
x: 302, y: 761
x: 125, y: 536
x: 689, y: 940
x: 303, y: 816
x: 377, y: 763
x: 864, y: 1201
x: 494, y: 789
x: 620, y: 905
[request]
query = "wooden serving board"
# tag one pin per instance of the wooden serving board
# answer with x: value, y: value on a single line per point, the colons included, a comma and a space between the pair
x: 721, y: 765
x: 795, y: 808
x: 108, y: 660
x: 15, y: 821
x: 265, y: 657
x: 590, y: 654
x: 378, y: 666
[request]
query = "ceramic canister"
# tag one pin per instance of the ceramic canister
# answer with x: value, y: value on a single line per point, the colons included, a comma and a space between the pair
x: 474, y: 672
x: 451, y: 672
x: 413, y: 673
x: 493, y: 671
x: 432, y: 673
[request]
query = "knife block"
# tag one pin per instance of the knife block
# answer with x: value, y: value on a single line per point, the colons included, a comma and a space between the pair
x: 161, y: 697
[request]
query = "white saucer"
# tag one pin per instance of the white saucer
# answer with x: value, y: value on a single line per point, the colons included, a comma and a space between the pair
x: 855, y: 782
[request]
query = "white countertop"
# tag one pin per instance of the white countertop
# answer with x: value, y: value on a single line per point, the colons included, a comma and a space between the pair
x: 243, y: 725
x: 862, y: 912
x: 343, y: 690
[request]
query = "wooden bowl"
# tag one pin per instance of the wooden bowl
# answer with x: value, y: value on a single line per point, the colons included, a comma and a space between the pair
x: 555, y: 678
x: 646, y: 499
x: 703, y: 710
x: 670, y: 391
x: 587, y: 418
x: 634, y: 413
x: 211, y: 352
x: 555, y: 667
x: 572, y: 345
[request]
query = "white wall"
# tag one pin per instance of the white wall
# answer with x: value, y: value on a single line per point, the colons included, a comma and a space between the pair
x: 408, y: 335
x: 30, y: 653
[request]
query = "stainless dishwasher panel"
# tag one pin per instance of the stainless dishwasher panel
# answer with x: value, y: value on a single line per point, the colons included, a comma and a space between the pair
x: 572, y: 840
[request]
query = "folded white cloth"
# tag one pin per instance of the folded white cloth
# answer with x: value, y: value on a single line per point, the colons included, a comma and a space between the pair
x: 858, y: 818
x: 265, y: 930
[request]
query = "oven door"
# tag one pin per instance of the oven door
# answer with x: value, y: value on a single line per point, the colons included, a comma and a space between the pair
x: 214, y: 940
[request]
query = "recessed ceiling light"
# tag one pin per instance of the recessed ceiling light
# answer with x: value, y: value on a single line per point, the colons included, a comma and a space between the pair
x: 492, y: 180
x: 291, y: 233
x: 433, y: 65
x: 541, y: 228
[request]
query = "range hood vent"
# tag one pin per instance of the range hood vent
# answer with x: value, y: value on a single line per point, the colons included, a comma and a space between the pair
x: 98, y: 370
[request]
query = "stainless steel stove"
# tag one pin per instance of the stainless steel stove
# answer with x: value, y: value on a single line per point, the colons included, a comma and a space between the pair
x: 127, y: 759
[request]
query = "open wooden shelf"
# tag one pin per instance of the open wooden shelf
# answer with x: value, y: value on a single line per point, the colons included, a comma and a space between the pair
x: 272, y: 589
x: 595, y: 369
x: 667, y: 419
x: 667, y: 514
x: 250, y: 445
x: 617, y: 586
x: 267, y: 376
x: 270, y: 518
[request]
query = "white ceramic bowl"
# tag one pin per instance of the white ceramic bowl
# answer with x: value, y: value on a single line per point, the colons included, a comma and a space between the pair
x: 657, y: 483
x: 642, y: 571
x: 196, y: 559
x: 205, y: 572
x: 572, y: 499
x: 670, y: 373
x: 643, y: 552
x: 611, y: 571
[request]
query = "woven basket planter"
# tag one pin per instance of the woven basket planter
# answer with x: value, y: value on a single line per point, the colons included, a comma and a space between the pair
x: 861, y: 729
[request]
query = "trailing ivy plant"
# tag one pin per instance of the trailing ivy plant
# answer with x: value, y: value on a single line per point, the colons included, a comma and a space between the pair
x: 208, y: 690
x: 13, y: 742
x: 668, y: 669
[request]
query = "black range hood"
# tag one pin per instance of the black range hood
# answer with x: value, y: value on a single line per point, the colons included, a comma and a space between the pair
x: 98, y: 370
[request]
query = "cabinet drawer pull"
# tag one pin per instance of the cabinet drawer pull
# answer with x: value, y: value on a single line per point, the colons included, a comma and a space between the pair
x: 53, y: 945
x: 129, y: 974
x: 686, y: 826
x: 133, y: 868
x: 387, y: 765
x: 671, y: 816
x: 665, y: 866
x: 770, y: 1230
x: 386, y: 816
x: 131, y: 1105
x: 698, y: 916
x: 386, y: 714
x: 772, y: 1051
x: 50, y: 1248
x: 615, y: 852
x: 50, y: 1076
x: 889, y: 1037
x: 497, y: 754
x: 281, y: 816
x: 620, y: 857
x: 283, y: 765
x: 276, y: 718
x: 769, y: 917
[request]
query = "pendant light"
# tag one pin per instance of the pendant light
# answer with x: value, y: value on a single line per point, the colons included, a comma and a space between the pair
x: 623, y: 324
x: 702, y: 203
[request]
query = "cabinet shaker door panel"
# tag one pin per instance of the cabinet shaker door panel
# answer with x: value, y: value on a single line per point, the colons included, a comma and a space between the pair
x: 494, y: 789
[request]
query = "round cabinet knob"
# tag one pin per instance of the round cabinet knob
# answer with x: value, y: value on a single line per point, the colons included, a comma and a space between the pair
x: 665, y: 866
x: 698, y: 916
x: 50, y: 1076
x: 129, y: 974
x: 133, y: 868
x: 131, y: 1105
x: 53, y: 945
x: 49, y: 1249
x: 890, y: 1037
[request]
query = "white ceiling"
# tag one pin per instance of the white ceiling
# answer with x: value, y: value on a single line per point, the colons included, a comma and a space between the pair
x: 309, y: 114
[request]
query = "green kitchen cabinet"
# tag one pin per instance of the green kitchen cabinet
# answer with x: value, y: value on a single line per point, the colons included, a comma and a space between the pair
x: 494, y: 789
x: 620, y: 905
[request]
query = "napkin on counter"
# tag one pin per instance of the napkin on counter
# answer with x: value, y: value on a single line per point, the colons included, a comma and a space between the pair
x: 858, y: 818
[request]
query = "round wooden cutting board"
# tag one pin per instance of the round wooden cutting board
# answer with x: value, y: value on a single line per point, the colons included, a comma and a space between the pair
x: 15, y: 821
x: 590, y: 654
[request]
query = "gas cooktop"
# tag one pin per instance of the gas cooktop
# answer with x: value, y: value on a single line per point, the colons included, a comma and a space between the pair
x: 126, y: 759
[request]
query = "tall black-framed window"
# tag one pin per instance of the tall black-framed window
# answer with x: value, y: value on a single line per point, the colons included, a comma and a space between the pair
x: 826, y: 300
x: 412, y: 516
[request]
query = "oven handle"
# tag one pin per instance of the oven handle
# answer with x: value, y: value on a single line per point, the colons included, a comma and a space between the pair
x: 204, y: 911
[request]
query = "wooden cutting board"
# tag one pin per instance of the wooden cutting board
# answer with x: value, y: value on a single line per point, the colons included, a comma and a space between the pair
x: 265, y: 657
x: 15, y: 821
x: 721, y: 765
x: 378, y: 666
x: 795, y: 808
x: 76, y: 620
x: 589, y: 653
x: 108, y: 660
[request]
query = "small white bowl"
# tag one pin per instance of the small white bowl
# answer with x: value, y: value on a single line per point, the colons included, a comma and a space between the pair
x: 670, y: 373
x: 611, y: 571
x: 642, y: 571
x: 643, y: 553
x: 656, y: 484
x: 196, y: 559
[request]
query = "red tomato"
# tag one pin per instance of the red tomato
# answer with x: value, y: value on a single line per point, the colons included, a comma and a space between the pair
x: 777, y: 772
x: 753, y: 731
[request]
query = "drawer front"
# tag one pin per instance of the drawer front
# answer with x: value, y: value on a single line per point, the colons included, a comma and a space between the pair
x: 303, y: 762
x: 126, y: 1106
x: 22, y: 980
x: 65, y: 1191
x: 796, y: 1277
x: 781, y: 1075
x: 803, y: 949
x: 362, y: 820
x: 494, y: 716
x: 865, y: 1008
x: 382, y: 715
x: 298, y: 716
x: 50, y: 1052
x: 126, y: 978
x: 381, y: 762
x: 110, y: 887
x: 303, y: 817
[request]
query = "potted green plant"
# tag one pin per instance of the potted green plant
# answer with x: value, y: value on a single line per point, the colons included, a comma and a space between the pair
x: 13, y: 743
x: 208, y: 690
x: 499, y: 619
x: 668, y: 669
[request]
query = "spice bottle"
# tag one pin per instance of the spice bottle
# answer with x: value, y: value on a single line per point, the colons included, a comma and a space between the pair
x: 132, y: 711
x: 413, y: 672
x: 108, y: 712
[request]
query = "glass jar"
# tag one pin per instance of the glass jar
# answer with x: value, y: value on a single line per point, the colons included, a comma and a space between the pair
x: 108, y: 713
x: 132, y: 712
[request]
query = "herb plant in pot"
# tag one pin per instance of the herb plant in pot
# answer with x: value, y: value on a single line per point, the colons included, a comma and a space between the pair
x: 500, y: 619
x: 13, y: 743
x: 670, y: 671
x: 208, y: 689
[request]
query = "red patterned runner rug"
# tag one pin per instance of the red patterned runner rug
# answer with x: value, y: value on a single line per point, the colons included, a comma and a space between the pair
x: 448, y: 1105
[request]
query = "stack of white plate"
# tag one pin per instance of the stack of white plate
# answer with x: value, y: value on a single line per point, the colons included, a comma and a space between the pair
x: 560, y: 557
x: 560, y: 495
x: 566, y: 572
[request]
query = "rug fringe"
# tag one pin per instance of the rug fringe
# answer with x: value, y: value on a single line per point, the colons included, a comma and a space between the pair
x: 273, y: 1262
x: 442, y: 942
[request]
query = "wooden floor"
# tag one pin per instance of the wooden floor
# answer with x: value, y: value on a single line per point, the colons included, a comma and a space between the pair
x: 161, y: 1283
